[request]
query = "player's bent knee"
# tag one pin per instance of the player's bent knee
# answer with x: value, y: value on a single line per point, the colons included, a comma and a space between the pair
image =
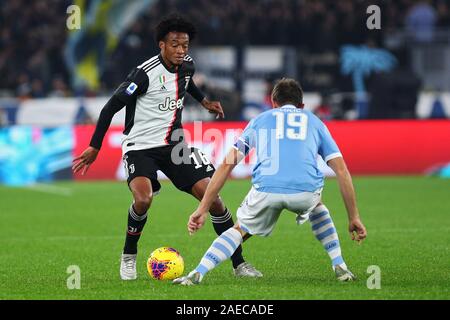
x: 217, y: 207
x: 142, y: 203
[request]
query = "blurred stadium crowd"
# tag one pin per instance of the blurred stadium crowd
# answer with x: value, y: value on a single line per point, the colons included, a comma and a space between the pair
x: 33, y: 35
x: 32, y: 38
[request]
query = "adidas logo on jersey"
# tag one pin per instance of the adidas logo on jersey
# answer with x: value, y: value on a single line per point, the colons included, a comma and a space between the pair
x: 163, y: 88
x: 171, y: 104
x: 209, y: 168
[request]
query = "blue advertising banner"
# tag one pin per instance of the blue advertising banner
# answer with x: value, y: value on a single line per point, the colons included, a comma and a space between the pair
x: 29, y: 155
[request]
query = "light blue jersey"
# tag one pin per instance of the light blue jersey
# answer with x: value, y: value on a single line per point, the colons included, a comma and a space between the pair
x: 287, y: 142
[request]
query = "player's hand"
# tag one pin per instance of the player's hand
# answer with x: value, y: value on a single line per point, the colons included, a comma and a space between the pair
x: 214, y: 107
x: 357, y: 230
x: 84, y: 161
x: 196, y: 221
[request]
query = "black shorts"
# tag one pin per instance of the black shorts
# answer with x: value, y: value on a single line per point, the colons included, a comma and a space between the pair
x: 183, y: 165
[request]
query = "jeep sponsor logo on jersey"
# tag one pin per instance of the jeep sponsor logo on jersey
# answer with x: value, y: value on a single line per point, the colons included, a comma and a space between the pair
x: 171, y: 104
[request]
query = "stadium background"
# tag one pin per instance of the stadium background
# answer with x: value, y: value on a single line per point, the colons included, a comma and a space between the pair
x: 384, y: 94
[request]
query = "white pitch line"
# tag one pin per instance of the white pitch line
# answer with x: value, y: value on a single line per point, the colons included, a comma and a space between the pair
x: 48, y: 188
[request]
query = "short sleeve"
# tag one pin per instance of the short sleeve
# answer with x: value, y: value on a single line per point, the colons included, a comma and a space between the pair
x: 247, y: 139
x: 328, y: 148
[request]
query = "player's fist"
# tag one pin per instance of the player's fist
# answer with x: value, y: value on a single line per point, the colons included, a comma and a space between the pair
x: 84, y: 161
x: 357, y: 230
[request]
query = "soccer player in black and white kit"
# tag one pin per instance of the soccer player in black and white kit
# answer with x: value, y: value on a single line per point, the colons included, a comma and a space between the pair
x: 153, y: 94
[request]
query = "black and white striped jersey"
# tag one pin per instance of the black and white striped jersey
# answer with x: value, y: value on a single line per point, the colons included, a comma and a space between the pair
x: 153, y: 94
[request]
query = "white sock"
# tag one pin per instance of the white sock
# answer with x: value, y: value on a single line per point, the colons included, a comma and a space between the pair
x: 323, y: 228
x: 221, y: 249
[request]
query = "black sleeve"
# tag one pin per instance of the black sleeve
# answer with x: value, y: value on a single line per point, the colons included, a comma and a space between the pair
x: 126, y: 94
x: 109, y: 110
x: 194, y: 91
x: 135, y: 85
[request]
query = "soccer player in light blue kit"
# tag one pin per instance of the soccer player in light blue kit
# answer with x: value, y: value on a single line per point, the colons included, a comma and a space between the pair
x: 287, y: 140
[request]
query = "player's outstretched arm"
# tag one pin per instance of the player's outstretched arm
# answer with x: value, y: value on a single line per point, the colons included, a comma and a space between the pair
x: 197, y: 219
x: 356, y: 228
x: 84, y: 160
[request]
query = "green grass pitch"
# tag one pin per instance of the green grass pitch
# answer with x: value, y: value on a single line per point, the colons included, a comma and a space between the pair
x: 45, y: 229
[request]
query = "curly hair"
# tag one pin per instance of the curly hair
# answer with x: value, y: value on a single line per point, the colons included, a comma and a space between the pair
x: 174, y: 23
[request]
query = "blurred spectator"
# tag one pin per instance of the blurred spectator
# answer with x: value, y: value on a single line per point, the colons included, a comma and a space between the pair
x: 33, y: 33
x: 251, y: 109
x: 23, y: 90
x: 37, y: 89
x: 323, y: 110
x: 421, y: 20
x: 59, y: 88
x: 32, y: 38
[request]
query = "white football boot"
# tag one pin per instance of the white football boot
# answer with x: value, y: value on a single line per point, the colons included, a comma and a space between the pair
x: 128, y: 267
x: 193, y: 278
x: 343, y: 274
x: 245, y: 269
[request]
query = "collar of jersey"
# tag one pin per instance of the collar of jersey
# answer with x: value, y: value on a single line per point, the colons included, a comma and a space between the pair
x: 171, y: 70
x: 289, y: 106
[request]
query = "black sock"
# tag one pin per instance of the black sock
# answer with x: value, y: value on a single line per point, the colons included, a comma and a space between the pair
x: 223, y: 223
x: 134, y: 229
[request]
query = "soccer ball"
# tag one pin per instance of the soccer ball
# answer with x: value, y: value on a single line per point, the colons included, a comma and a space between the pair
x: 165, y: 263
